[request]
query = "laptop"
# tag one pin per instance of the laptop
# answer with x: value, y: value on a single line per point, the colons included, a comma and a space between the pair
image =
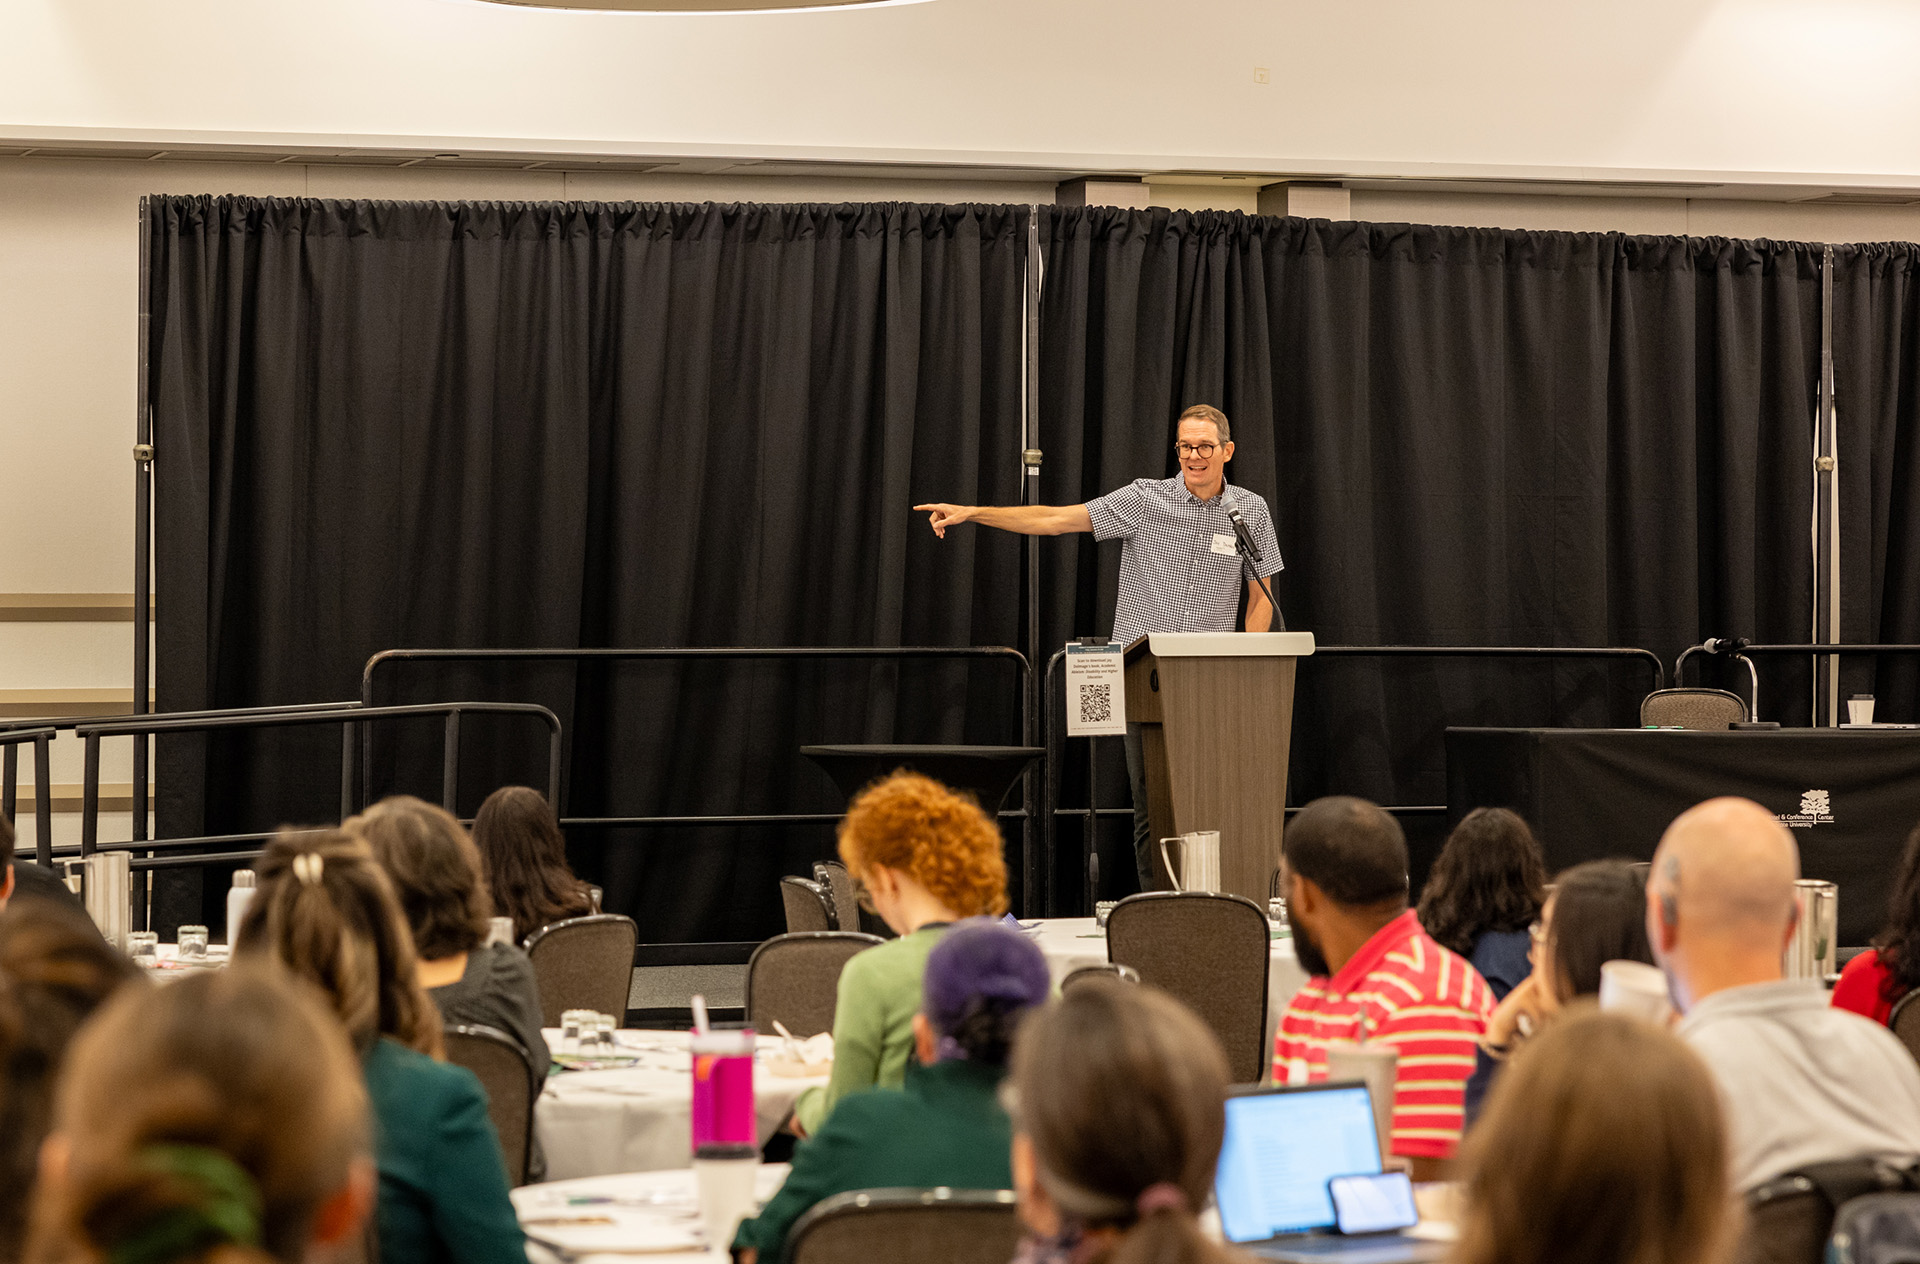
x: 1282, y: 1146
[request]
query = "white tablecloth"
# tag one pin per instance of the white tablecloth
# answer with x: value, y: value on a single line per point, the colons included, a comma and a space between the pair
x: 1072, y: 942
x: 652, y: 1213
x: 594, y: 1123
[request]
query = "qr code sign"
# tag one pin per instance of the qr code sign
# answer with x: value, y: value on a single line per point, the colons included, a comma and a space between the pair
x: 1096, y: 704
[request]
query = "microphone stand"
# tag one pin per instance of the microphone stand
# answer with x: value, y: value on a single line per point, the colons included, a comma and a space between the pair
x: 1250, y: 557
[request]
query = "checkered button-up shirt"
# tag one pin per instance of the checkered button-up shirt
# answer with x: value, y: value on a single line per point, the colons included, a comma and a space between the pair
x: 1179, y: 570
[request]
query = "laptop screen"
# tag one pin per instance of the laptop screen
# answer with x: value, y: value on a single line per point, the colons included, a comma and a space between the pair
x: 1281, y: 1148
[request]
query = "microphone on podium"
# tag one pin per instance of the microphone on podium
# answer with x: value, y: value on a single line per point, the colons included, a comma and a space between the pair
x: 1245, y: 536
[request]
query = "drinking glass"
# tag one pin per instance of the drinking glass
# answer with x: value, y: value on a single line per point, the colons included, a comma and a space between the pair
x: 193, y: 943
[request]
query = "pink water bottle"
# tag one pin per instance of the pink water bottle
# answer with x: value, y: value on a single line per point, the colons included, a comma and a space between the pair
x: 723, y: 1115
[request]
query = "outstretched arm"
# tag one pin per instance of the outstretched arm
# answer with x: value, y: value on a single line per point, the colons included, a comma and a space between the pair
x: 1025, y: 519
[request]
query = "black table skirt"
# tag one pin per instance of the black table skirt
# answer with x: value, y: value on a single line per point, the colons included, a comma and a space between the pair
x: 1850, y: 797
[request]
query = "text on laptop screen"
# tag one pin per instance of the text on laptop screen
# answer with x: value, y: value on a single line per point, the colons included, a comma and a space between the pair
x: 1280, y: 1151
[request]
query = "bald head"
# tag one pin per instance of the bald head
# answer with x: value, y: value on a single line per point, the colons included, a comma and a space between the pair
x: 1726, y: 870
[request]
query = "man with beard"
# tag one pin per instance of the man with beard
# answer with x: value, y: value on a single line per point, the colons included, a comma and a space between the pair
x: 1376, y: 975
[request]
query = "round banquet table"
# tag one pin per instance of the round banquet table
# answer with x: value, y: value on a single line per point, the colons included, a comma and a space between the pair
x: 637, y: 1119
x: 1069, y: 943
x: 612, y: 1219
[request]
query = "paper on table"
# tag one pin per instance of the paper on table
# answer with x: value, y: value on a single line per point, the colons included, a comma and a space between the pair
x: 601, y: 1230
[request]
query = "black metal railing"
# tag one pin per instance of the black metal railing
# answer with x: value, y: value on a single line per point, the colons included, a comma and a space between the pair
x: 12, y: 738
x: 1029, y: 843
x: 348, y: 715
x: 1736, y: 649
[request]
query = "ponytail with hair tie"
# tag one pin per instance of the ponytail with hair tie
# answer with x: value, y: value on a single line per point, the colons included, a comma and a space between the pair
x: 1164, y: 1196
x: 225, y: 1208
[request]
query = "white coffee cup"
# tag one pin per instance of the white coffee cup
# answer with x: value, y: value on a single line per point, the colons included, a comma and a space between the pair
x: 1860, y: 708
x: 1636, y: 988
x: 726, y: 1193
x: 1378, y: 1067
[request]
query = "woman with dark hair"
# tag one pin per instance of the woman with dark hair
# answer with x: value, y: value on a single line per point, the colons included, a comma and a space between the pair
x: 523, y: 857
x: 1596, y: 914
x: 326, y: 913
x: 945, y: 1127
x: 1118, y: 1097
x: 55, y: 971
x: 1603, y: 1144
x: 435, y: 870
x: 1880, y: 976
x: 1485, y: 890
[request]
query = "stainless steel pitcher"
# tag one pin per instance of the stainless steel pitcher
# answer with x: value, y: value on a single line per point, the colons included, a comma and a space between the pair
x: 1199, y: 861
x: 1813, y: 952
x: 104, y: 883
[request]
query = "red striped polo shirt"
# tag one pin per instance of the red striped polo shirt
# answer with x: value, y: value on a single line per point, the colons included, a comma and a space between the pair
x: 1405, y: 990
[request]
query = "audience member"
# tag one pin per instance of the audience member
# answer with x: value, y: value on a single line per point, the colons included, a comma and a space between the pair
x: 326, y: 912
x: 1801, y: 1081
x: 1118, y: 1099
x: 435, y: 870
x: 947, y: 1127
x: 23, y: 879
x: 927, y: 857
x: 523, y: 856
x: 55, y: 970
x: 216, y: 1119
x: 1602, y: 1144
x: 1484, y: 892
x: 1596, y: 914
x: 1872, y: 982
x: 1376, y: 976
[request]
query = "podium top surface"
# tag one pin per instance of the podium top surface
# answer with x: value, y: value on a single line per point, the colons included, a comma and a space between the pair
x: 1223, y: 645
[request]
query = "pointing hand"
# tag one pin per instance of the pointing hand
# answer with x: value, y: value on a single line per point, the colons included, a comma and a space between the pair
x: 944, y: 516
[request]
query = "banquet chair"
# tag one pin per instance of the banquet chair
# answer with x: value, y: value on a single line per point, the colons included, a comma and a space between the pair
x: 841, y: 894
x: 1693, y: 708
x: 907, y: 1226
x: 1905, y: 1022
x: 584, y: 963
x: 505, y: 1072
x: 1790, y: 1218
x: 1108, y: 973
x: 1210, y: 951
x: 808, y: 906
x: 796, y: 978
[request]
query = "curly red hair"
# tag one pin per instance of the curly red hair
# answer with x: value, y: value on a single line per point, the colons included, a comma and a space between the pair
x: 938, y: 837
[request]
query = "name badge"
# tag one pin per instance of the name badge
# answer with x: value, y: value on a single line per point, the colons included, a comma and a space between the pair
x: 1224, y: 545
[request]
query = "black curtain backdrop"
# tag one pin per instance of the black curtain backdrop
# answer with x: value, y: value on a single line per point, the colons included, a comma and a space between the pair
x: 383, y: 425
x: 488, y: 424
x: 1470, y: 437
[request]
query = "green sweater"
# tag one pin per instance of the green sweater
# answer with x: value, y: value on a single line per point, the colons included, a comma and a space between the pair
x: 872, y: 1022
x: 946, y: 1128
x: 443, y: 1185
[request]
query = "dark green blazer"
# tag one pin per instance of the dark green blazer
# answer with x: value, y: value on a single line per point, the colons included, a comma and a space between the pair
x: 443, y: 1186
x: 944, y: 1126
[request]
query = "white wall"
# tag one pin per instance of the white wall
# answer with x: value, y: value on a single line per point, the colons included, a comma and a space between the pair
x: 1720, y: 89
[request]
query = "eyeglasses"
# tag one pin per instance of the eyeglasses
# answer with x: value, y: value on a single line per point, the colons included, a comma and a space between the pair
x: 1204, y: 451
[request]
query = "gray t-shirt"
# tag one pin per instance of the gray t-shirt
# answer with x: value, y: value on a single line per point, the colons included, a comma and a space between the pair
x: 1803, y: 1082
x: 498, y: 990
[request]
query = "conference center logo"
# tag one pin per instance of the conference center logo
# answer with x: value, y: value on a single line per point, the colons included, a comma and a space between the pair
x: 1816, y: 808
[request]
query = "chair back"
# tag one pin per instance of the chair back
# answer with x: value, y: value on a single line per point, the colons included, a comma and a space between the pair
x: 1108, y: 973
x: 1693, y: 708
x: 833, y: 875
x: 1876, y: 1229
x: 584, y: 963
x: 907, y: 1226
x: 1210, y: 951
x: 808, y: 906
x: 1905, y: 1022
x: 1790, y: 1218
x: 505, y: 1072
x: 796, y: 979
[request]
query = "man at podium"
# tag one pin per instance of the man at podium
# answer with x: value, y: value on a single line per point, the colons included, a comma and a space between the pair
x: 1180, y: 566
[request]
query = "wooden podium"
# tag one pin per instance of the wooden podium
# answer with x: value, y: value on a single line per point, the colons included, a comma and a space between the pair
x: 1217, y: 711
